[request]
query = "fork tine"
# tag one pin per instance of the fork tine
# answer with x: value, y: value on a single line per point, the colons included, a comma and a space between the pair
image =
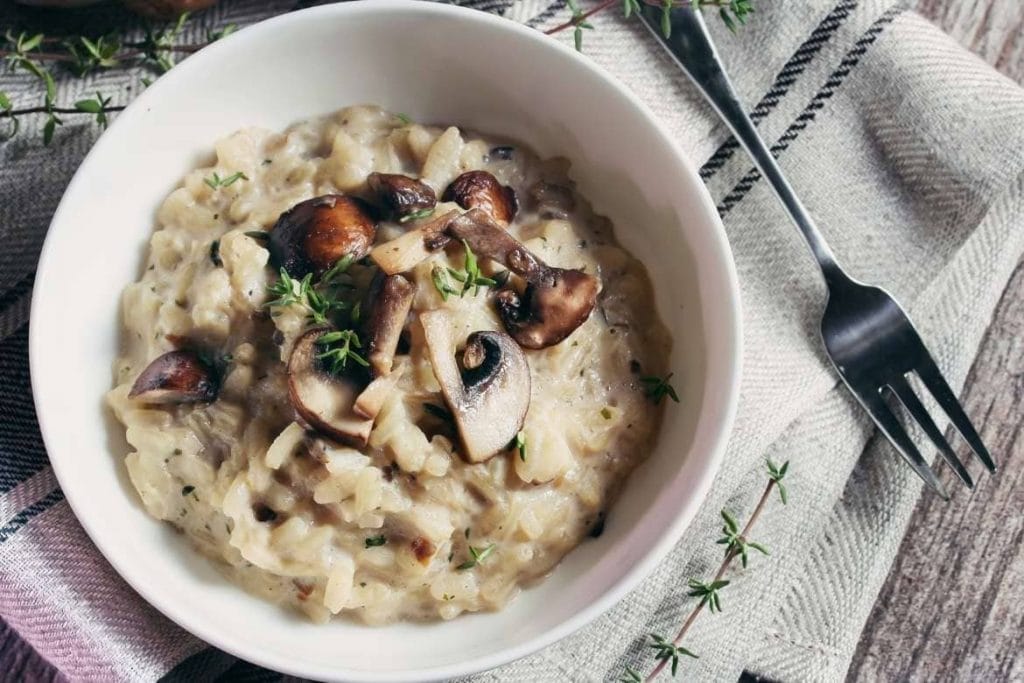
x: 893, y: 430
x: 901, y: 387
x: 933, y: 379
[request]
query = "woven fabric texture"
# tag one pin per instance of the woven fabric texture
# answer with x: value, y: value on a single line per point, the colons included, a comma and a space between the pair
x: 905, y: 148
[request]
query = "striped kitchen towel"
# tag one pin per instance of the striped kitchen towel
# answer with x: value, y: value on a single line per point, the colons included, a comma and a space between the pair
x: 905, y: 147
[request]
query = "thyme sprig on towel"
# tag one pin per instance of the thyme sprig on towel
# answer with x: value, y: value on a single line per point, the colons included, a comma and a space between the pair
x: 669, y: 653
x: 84, y: 55
x: 733, y: 13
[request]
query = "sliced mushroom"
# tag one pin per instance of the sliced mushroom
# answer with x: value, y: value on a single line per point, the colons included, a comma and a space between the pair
x: 490, y: 394
x: 176, y: 377
x: 400, y: 195
x: 391, y: 299
x: 404, y: 253
x: 315, y: 234
x: 550, y: 309
x: 369, y: 403
x: 481, y: 190
x: 324, y: 400
x: 556, y: 300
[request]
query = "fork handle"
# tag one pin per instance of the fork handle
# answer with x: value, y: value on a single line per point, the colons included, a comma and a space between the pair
x: 691, y: 47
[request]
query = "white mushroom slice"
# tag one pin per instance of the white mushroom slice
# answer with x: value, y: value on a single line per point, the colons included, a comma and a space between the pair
x: 489, y: 397
x: 322, y: 399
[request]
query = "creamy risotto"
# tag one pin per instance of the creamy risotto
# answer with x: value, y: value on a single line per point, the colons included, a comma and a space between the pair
x: 383, y: 369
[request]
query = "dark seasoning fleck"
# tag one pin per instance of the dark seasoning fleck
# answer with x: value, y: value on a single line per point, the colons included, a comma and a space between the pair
x: 215, y: 254
x: 597, y: 528
x: 263, y: 513
x: 502, y: 152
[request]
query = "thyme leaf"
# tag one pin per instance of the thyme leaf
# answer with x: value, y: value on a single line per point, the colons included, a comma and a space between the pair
x: 216, y: 182
x: 658, y: 388
x: 340, y: 348
x: 476, y: 556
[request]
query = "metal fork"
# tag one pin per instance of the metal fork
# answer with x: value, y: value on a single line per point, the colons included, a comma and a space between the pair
x: 868, y: 337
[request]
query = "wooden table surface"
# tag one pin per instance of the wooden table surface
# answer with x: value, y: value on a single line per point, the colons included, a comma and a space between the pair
x: 953, y: 607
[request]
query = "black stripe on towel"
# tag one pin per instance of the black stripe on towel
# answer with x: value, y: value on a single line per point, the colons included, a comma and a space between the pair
x: 785, y: 79
x: 809, y: 113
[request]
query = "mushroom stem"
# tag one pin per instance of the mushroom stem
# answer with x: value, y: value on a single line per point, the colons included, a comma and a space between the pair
x: 487, y: 237
x: 391, y: 300
x: 404, y: 253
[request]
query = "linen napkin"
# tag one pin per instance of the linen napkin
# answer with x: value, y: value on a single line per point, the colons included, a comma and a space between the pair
x: 905, y: 148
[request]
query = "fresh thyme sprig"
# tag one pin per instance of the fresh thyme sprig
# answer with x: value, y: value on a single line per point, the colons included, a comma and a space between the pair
x: 84, y: 55
x: 708, y: 593
x: 441, y: 282
x: 470, y: 276
x: 375, y: 541
x: 579, y: 23
x: 630, y: 675
x: 96, y: 107
x: 288, y: 290
x: 668, y: 653
x: 157, y: 44
x: 340, y: 348
x: 215, y: 181
x: 735, y: 542
x: 520, y: 445
x: 332, y: 278
x: 733, y: 13
x: 321, y: 304
x: 416, y: 215
x: 658, y: 388
x: 476, y: 556
x: 776, y: 474
x: 7, y: 111
x: 321, y: 299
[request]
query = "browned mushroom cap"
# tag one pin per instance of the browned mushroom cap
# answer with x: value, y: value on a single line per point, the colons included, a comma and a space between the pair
x: 556, y: 300
x: 550, y: 309
x: 176, y: 377
x: 404, y: 253
x: 490, y: 395
x: 315, y: 234
x: 481, y: 190
x: 324, y: 400
x: 400, y: 195
x: 390, y: 300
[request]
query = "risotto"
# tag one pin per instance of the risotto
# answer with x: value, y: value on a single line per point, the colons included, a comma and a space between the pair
x: 383, y: 369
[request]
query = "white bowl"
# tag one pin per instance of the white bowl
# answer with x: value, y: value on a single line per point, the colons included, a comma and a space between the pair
x: 436, y: 63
